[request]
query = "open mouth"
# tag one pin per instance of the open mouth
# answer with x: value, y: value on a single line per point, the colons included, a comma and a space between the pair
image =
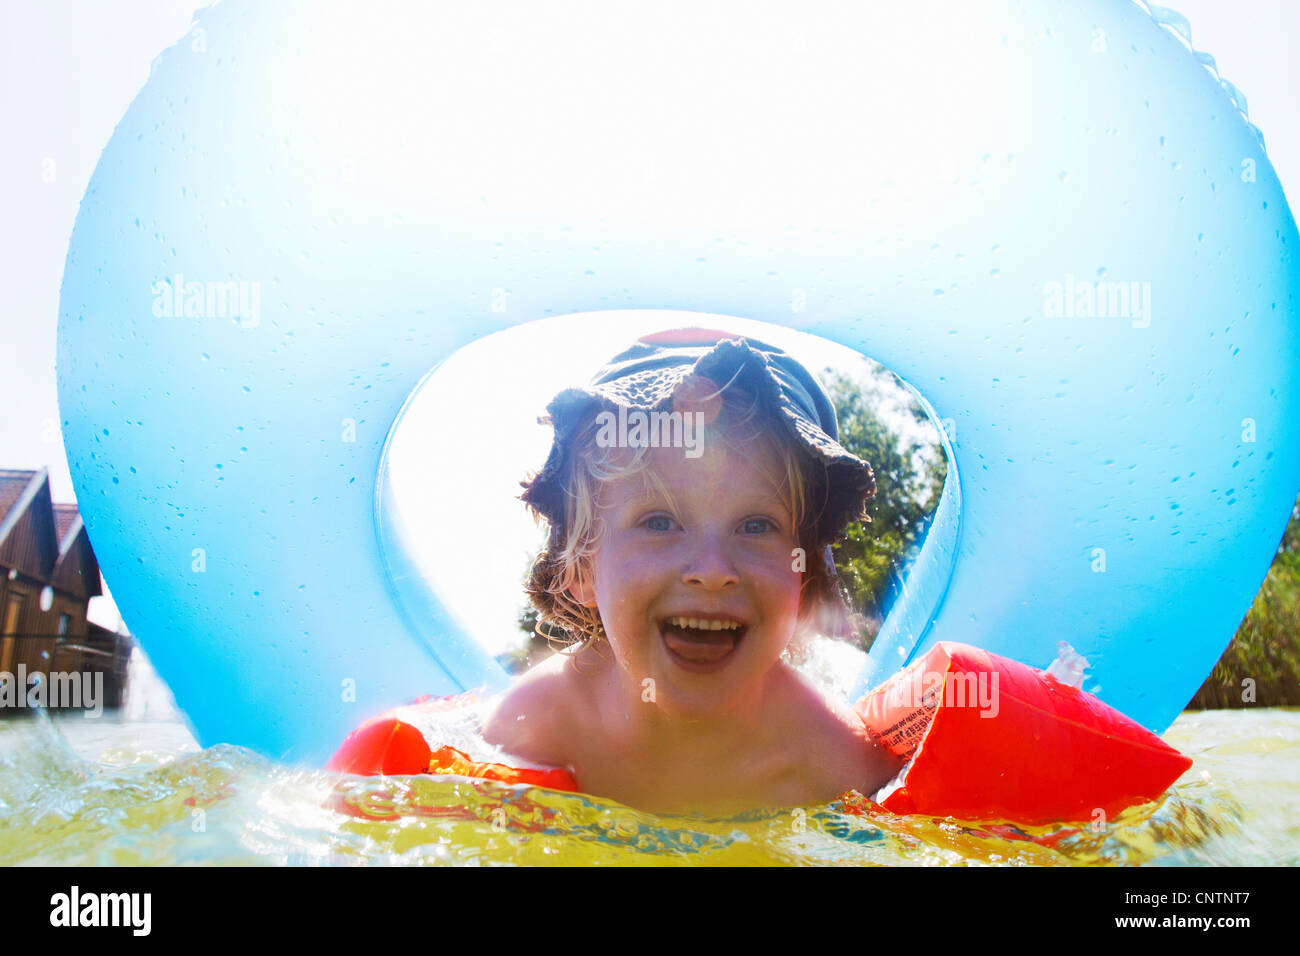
x: 701, y: 644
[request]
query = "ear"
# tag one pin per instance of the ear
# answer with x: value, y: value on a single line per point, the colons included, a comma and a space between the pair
x: 583, y: 590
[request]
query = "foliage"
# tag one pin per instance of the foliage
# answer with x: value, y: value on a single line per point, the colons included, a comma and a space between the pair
x: 1266, y: 648
x: 910, y: 473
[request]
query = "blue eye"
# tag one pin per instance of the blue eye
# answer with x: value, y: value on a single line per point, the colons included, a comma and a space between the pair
x: 658, y: 523
x: 758, y: 525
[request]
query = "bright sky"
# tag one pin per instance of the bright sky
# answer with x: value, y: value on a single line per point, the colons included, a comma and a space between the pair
x: 69, y: 68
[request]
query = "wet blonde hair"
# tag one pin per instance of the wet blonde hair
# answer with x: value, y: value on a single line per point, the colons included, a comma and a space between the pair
x: 741, y: 426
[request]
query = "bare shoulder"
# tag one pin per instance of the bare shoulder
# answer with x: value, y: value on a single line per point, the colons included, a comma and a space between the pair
x: 834, y: 740
x: 531, y: 718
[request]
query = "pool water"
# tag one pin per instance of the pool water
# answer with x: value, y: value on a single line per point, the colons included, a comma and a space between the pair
x: 119, y: 791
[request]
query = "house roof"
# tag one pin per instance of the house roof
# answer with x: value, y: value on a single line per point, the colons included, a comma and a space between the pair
x: 17, y: 486
x: 13, y: 482
x: 20, y: 491
x: 65, y: 516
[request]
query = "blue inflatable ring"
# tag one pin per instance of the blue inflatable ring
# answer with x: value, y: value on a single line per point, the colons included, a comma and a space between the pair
x: 1056, y: 224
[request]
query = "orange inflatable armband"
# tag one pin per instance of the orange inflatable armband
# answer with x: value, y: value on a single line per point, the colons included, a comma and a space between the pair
x: 394, y: 743
x: 986, y: 737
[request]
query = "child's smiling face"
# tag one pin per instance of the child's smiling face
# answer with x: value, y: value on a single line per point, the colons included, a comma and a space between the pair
x: 722, y: 556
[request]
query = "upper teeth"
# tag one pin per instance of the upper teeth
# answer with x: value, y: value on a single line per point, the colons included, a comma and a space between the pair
x: 703, y: 624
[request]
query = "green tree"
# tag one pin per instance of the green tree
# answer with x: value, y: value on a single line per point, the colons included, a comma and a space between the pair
x: 1266, y: 648
x: 910, y: 472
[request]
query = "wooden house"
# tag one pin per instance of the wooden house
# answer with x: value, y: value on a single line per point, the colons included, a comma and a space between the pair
x: 48, y: 574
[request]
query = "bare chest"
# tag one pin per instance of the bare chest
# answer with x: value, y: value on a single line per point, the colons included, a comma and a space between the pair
x: 769, y: 774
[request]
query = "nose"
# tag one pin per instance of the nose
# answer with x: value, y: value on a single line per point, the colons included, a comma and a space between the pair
x: 709, y: 565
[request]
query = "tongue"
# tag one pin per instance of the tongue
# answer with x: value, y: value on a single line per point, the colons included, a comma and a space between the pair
x: 700, y: 646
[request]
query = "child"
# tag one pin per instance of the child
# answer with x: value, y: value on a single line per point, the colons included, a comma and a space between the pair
x: 692, y: 492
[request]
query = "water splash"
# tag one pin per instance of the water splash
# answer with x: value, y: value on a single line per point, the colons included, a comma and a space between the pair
x: 134, y: 798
